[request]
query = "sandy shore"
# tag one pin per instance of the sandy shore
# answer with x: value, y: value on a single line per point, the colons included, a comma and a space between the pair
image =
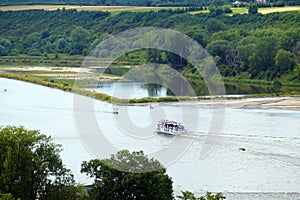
x: 48, y: 69
x: 62, y: 72
x: 282, y: 102
x: 285, y: 102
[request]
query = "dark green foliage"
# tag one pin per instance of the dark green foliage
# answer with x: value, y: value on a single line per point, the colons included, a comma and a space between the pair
x: 187, y: 195
x: 80, y: 39
x: 285, y: 61
x: 277, y: 84
x: 245, y: 44
x: 262, y: 58
x: 114, y: 2
x: 30, y: 166
x: 147, y: 2
x: 7, y: 197
x: 215, y: 25
x: 253, y: 9
x: 123, y: 177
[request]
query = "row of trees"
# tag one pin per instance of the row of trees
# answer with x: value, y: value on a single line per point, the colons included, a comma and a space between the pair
x: 31, y: 168
x: 147, y: 2
x: 252, y: 46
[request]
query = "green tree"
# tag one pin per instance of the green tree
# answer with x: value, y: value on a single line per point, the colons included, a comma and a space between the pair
x: 5, y: 45
x: 244, y: 50
x: 30, y: 165
x: 123, y: 177
x: 210, y: 196
x: 80, y: 39
x: 297, y: 72
x: 7, y: 197
x: 218, y: 2
x: 263, y: 56
x: 253, y: 9
x: 285, y: 61
x: 187, y: 195
x: 215, y: 25
x: 290, y: 38
x: 61, y: 45
x: 219, y: 48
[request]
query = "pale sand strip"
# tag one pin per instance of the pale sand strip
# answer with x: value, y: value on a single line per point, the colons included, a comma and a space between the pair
x: 283, y: 102
x: 286, y: 102
x: 48, y: 69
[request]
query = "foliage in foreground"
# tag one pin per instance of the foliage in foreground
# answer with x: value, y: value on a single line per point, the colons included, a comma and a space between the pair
x: 30, y: 166
x: 187, y: 195
x: 7, y: 197
x: 122, y: 177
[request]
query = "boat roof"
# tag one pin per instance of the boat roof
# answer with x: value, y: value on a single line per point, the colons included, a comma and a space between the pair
x: 170, y: 122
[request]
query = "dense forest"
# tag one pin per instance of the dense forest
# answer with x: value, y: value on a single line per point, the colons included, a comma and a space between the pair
x: 249, y: 45
x: 146, y: 2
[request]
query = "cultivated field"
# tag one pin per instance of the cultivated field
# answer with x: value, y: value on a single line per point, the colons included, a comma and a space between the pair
x: 267, y: 10
x: 260, y: 10
x: 116, y: 9
x: 87, y: 8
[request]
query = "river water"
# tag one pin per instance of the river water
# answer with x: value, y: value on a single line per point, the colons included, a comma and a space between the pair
x: 135, y: 89
x: 268, y: 169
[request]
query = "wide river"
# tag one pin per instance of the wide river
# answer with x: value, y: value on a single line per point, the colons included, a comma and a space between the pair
x: 268, y: 169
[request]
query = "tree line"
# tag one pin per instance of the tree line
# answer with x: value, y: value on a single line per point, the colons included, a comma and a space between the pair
x: 31, y: 168
x: 249, y: 46
x: 150, y: 2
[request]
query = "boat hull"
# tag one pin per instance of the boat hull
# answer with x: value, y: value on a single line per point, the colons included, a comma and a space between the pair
x: 170, y: 132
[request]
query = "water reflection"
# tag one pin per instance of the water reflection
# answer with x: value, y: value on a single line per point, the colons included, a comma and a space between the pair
x: 131, y: 89
x: 271, y: 137
x: 141, y: 90
x: 153, y: 89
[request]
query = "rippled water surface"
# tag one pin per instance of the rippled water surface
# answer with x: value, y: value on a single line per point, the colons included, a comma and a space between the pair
x: 269, y: 168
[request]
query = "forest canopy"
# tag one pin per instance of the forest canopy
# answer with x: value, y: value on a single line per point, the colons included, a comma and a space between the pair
x: 144, y: 2
x: 249, y: 45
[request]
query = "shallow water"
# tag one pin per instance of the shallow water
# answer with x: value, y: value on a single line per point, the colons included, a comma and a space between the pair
x: 268, y: 169
x: 129, y: 90
x: 139, y: 90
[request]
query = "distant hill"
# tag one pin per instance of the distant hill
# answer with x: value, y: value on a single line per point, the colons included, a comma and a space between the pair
x: 244, y: 46
x: 149, y: 2
x: 111, y: 2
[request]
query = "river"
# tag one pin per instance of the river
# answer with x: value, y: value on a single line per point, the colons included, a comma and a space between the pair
x: 136, y: 89
x: 268, y: 169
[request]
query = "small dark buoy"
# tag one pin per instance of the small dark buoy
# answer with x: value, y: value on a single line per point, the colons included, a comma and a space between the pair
x: 242, y: 149
x: 5, y: 90
x: 115, y: 111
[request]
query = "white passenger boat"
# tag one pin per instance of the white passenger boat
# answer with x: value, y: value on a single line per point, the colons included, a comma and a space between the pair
x: 170, y: 127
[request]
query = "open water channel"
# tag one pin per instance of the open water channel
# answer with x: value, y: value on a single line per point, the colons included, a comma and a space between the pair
x: 268, y: 169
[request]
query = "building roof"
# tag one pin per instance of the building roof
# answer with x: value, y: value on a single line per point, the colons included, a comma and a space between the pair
x: 236, y: 3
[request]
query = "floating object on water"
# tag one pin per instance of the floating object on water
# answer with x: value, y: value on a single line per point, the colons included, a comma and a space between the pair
x: 5, y: 90
x: 170, y: 127
x: 115, y: 111
x: 242, y: 149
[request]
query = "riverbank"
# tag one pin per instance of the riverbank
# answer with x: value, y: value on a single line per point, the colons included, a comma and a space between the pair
x: 282, y: 102
x: 270, y: 137
x: 68, y: 75
x: 278, y: 102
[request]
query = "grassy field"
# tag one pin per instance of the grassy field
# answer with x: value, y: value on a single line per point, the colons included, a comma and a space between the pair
x: 267, y: 10
x: 79, y: 8
x: 260, y: 10
x: 117, y: 9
